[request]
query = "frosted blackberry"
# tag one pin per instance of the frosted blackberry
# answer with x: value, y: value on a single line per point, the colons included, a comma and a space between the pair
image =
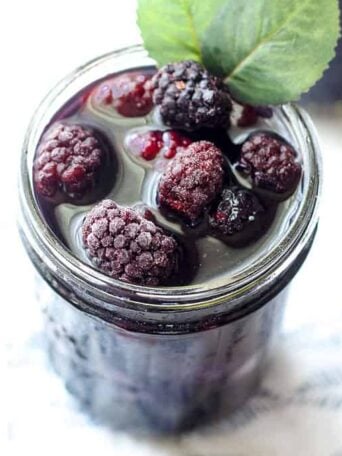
x: 67, y: 160
x: 192, y: 180
x: 189, y: 97
x: 271, y: 163
x: 127, y: 246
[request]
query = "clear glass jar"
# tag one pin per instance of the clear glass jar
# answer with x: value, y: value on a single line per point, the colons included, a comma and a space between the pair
x: 162, y: 359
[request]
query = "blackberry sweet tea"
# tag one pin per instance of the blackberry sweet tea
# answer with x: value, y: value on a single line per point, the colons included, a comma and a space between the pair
x: 130, y: 177
x: 169, y: 357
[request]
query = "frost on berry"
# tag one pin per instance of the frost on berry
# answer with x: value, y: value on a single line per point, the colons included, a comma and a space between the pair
x: 127, y: 246
x: 271, y: 163
x: 68, y: 159
x: 192, y: 180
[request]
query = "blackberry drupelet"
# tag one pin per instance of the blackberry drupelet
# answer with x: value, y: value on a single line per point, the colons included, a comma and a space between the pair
x: 189, y: 97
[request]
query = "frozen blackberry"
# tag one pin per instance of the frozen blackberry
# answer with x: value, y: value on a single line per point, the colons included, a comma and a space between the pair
x: 67, y: 160
x: 271, y: 163
x: 192, y: 180
x: 127, y: 246
x: 189, y: 97
x: 239, y: 217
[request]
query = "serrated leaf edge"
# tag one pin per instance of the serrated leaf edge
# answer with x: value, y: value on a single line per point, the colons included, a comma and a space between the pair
x: 196, y: 50
x: 265, y: 40
x: 320, y: 76
x: 326, y: 68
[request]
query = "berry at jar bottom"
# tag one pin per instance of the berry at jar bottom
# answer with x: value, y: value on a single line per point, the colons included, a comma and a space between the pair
x: 146, y: 145
x: 271, y: 163
x: 130, y: 94
x: 244, y: 115
x: 127, y: 246
x: 173, y: 141
x: 67, y: 160
x: 192, y: 180
x: 149, y: 144
x: 189, y: 97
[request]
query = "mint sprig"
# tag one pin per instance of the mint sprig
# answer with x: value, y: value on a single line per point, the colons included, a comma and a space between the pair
x: 267, y: 51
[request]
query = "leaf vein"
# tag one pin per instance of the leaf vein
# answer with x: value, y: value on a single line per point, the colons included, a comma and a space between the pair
x: 189, y: 15
x: 265, y: 40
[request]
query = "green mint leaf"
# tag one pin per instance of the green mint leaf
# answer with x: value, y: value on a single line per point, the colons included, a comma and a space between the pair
x: 271, y: 51
x: 173, y: 30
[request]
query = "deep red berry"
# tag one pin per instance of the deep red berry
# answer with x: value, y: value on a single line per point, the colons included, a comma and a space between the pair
x: 244, y: 115
x: 127, y: 246
x: 148, y: 144
x: 248, y: 117
x: 130, y: 94
x: 67, y: 160
x: 238, y: 216
x: 271, y: 162
x: 192, y: 180
x: 190, y: 98
x: 173, y: 141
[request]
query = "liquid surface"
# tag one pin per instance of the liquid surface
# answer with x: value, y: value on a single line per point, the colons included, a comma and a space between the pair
x: 136, y: 180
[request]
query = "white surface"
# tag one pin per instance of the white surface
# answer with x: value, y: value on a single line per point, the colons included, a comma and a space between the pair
x: 298, y: 411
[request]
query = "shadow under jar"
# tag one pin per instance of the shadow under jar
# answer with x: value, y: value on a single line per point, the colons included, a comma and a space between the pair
x: 164, y: 359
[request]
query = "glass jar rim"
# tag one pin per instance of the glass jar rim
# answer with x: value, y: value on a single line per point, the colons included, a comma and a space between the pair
x: 254, y: 279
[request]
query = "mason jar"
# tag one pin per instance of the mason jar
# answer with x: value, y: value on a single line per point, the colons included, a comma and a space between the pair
x: 163, y: 359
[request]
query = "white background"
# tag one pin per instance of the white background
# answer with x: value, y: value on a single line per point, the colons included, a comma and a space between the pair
x: 40, y: 42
